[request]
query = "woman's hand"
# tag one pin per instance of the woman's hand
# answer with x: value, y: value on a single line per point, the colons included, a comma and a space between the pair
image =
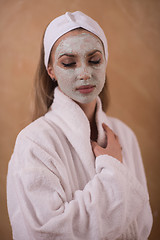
x: 113, y: 147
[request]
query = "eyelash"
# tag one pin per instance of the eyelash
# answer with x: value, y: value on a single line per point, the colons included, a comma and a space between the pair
x: 95, y: 62
x: 69, y: 64
x: 74, y: 63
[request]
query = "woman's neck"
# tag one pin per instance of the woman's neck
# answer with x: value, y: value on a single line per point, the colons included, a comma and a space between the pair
x: 90, y: 112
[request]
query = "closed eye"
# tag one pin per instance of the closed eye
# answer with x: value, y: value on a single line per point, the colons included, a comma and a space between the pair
x: 69, y: 64
x: 95, y: 62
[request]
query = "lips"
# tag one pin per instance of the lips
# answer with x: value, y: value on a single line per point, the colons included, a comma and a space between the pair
x: 85, y: 88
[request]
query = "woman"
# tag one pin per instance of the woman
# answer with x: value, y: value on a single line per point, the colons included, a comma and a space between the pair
x: 76, y: 173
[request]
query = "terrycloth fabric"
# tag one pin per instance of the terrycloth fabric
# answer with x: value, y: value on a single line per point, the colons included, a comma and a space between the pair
x: 67, y: 22
x: 56, y: 189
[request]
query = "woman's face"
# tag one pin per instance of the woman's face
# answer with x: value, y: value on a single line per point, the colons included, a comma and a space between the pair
x: 78, y: 65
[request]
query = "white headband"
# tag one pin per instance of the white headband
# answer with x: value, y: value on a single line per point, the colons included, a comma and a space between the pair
x: 67, y: 22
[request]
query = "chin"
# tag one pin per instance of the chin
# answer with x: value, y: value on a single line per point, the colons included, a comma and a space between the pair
x: 85, y: 100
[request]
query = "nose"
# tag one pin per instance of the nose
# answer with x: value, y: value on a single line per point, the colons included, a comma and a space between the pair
x: 84, y: 74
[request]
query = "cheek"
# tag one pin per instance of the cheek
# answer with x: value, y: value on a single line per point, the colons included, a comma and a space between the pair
x: 63, y: 74
x: 100, y: 72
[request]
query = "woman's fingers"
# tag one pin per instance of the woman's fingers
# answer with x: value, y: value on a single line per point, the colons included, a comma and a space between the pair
x: 98, y: 150
x: 113, y: 147
x: 105, y: 127
x: 95, y: 148
x: 109, y: 131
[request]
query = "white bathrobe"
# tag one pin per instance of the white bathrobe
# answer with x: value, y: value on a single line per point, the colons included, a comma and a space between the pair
x: 58, y: 190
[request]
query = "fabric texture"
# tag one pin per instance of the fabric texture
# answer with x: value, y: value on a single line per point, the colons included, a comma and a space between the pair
x: 57, y: 189
x: 67, y: 22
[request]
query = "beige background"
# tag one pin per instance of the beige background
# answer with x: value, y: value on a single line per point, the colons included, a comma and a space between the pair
x: 133, y: 31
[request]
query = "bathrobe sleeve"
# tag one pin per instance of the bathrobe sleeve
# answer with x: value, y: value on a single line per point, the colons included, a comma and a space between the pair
x: 107, y: 208
x: 141, y: 226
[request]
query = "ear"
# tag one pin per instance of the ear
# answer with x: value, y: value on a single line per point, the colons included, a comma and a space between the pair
x: 50, y: 71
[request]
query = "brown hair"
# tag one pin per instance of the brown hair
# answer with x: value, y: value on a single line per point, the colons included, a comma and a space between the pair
x: 44, y: 89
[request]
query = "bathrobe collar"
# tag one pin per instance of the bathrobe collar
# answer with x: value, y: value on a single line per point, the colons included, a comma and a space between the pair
x: 69, y: 117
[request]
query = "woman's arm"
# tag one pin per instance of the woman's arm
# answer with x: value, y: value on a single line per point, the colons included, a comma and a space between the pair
x: 141, y: 226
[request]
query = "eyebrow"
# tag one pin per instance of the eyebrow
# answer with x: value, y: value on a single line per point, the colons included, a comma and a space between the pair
x: 66, y: 54
x: 92, y: 53
x: 72, y: 55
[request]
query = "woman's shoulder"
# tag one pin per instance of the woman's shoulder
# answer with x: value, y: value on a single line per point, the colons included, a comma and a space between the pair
x: 41, y: 132
x: 34, y: 128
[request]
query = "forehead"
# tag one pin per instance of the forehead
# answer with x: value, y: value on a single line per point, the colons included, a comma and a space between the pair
x: 77, y: 41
